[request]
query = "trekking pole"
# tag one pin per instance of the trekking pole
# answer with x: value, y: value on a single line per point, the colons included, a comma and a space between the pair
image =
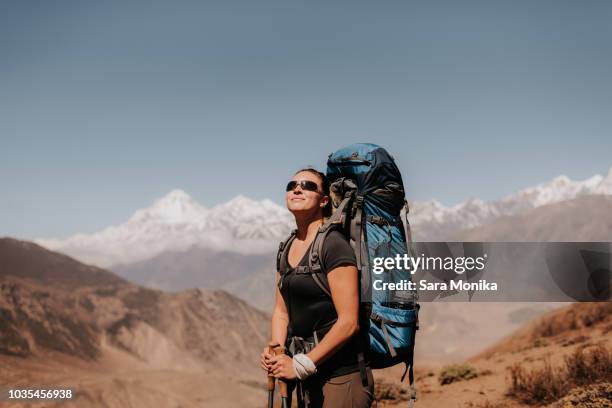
x: 282, y: 384
x: 271, y: 348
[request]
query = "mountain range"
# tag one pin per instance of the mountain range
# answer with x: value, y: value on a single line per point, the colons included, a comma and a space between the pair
x: 177, y: 222
x: 431, y: 221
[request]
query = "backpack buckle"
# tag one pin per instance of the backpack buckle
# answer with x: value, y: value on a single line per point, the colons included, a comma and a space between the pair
x: 303, y: 270
x: 359, y: 200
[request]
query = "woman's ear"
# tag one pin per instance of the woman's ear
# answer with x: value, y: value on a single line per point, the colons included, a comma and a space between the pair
x: 324, y: 201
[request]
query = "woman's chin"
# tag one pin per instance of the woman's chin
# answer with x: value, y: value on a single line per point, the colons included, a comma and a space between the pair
x: 299, y: 209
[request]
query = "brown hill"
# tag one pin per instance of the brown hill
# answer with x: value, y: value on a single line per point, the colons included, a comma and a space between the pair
x: 561, y: 359
x: 575, y: 319
x: 60, y: 316
x: 587, y: 218
x: 23, y: 259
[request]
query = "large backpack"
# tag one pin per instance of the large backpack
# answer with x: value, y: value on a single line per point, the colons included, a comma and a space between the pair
x: 371, y: 210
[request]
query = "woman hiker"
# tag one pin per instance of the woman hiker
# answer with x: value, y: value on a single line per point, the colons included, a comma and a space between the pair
x: 321, y: 332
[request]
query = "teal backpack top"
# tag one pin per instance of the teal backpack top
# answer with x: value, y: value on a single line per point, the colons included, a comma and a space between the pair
x: 370, y: 209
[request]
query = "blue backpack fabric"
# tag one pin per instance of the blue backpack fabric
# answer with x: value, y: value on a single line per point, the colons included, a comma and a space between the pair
x: 369, y: 200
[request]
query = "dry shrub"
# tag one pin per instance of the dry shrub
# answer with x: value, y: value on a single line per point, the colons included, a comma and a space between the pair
x: 538, y: 385
x: 545, y: 384
x: 589, y: 367
x: 457, y: 372
x: 579, y: 315
x: 384, y: 390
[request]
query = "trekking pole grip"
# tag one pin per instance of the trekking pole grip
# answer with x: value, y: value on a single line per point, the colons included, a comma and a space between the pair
x: 283, y: 385
x: 271, y: 347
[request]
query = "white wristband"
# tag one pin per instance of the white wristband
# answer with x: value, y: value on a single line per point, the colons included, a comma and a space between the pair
x: 303, y: 366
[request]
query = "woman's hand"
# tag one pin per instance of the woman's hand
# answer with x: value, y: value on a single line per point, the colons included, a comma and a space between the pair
x: 282, y: 367
x: 265, y: 361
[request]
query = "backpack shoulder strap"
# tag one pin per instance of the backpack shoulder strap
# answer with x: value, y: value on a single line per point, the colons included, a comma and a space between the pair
x: 314, y: 257
x: 336, y: 221
x: 283, y: 247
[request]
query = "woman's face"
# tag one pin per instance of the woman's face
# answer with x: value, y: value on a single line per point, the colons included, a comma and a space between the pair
x: 304, y: 201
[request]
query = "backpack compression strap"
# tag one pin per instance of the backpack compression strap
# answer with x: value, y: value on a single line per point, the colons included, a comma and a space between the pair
x: 356, y: 226
x: 407, y: 231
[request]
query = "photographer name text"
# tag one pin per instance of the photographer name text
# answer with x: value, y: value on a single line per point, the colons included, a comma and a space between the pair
x: 405, y: 262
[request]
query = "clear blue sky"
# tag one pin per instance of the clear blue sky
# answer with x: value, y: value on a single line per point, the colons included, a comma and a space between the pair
x: 108, y: 105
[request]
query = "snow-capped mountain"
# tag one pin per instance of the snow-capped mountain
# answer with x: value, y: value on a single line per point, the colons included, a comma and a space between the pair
x: 177, y: 222
x: 177, y: 207
x: 431, y: 221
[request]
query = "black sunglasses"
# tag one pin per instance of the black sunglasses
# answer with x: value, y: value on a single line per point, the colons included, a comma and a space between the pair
x: 304, y: 184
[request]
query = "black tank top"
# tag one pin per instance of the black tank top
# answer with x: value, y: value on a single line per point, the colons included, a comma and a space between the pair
x: 310, y: 309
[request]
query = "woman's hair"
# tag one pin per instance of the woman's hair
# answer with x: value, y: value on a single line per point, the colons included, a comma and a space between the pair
x: 327, y: 210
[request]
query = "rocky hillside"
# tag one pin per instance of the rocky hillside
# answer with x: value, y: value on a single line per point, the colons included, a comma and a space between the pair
x: 52, y: 309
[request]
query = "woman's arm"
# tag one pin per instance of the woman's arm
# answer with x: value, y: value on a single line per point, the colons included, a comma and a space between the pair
x: 343, y: 282
x: 280, y: 320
